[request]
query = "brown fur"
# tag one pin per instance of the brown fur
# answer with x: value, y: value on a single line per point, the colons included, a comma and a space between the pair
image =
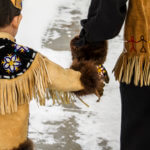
x: 28, y: 145
x: 89, y: 77
x: 100, y: 90
x: 91, y: 51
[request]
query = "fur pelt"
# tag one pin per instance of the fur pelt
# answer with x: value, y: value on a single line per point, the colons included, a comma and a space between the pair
x: 89, y: 76
x: 27, y: 145
x: 95, y: 52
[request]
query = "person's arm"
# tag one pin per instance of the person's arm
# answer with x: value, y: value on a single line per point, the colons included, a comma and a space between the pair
x: 105, y: 19
x: 84, y: 80
x: 63, y: 79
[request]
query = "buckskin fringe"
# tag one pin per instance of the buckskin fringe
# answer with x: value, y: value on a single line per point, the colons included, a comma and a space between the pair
x: 34, y: 83
x: 129, y: 66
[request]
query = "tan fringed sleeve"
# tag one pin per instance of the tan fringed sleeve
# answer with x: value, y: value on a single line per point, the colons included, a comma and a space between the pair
x: 63, y: 79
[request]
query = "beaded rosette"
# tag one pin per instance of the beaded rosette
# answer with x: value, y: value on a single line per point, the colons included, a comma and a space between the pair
x: 103, y: 73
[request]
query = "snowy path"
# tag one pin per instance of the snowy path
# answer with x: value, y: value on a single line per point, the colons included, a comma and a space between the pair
x: 79, y: 127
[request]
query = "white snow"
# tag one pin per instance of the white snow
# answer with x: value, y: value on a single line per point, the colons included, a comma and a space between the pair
x: 101, y: 120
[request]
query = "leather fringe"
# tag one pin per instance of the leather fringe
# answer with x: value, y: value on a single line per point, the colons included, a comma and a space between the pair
x: 130, y: 67
x: 34, y: 83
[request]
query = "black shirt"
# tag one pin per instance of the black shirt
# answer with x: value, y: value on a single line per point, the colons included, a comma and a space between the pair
x: 104, y: 21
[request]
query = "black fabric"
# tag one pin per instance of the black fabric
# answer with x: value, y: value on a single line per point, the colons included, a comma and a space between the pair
x: 135, y: 126
x: 23, y: 57
x: 104, y: 21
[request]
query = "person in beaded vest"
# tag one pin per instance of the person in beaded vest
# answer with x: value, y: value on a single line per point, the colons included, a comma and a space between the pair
x: 26, y: 74
x: 132, y: 70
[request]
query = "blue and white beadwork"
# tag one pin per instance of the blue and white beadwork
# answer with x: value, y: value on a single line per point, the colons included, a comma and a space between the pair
x: 11, y: 63
x: 22, y: 49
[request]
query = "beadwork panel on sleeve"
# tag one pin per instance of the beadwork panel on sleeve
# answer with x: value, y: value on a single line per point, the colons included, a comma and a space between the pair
x: 14, y: 59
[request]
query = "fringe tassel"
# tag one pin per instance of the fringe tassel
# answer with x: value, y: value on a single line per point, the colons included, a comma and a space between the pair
x: 34, y: 83
x: 137, y: 67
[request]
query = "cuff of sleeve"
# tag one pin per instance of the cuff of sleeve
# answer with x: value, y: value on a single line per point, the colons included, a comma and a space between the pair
x: 95, y: 52
x: 89, y: 77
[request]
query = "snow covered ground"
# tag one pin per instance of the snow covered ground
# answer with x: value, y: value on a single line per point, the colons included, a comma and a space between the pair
x: 67, y: 127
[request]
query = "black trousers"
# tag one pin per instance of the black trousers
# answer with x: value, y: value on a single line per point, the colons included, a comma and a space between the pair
x: 135, y: 123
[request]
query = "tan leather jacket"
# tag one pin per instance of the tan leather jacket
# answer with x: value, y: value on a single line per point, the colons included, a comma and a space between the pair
x: 43, y: 78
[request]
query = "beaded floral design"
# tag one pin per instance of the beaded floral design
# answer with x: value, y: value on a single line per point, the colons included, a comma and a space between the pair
x: 11, y: 63
x: 22, y: 49
x: 101, y: 70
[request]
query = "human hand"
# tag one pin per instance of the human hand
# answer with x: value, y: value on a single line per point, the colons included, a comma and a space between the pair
x: 93, y: 78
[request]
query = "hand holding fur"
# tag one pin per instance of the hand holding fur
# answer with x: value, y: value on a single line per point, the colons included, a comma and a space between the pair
x: 85, y: 59
x: 90, y: 79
